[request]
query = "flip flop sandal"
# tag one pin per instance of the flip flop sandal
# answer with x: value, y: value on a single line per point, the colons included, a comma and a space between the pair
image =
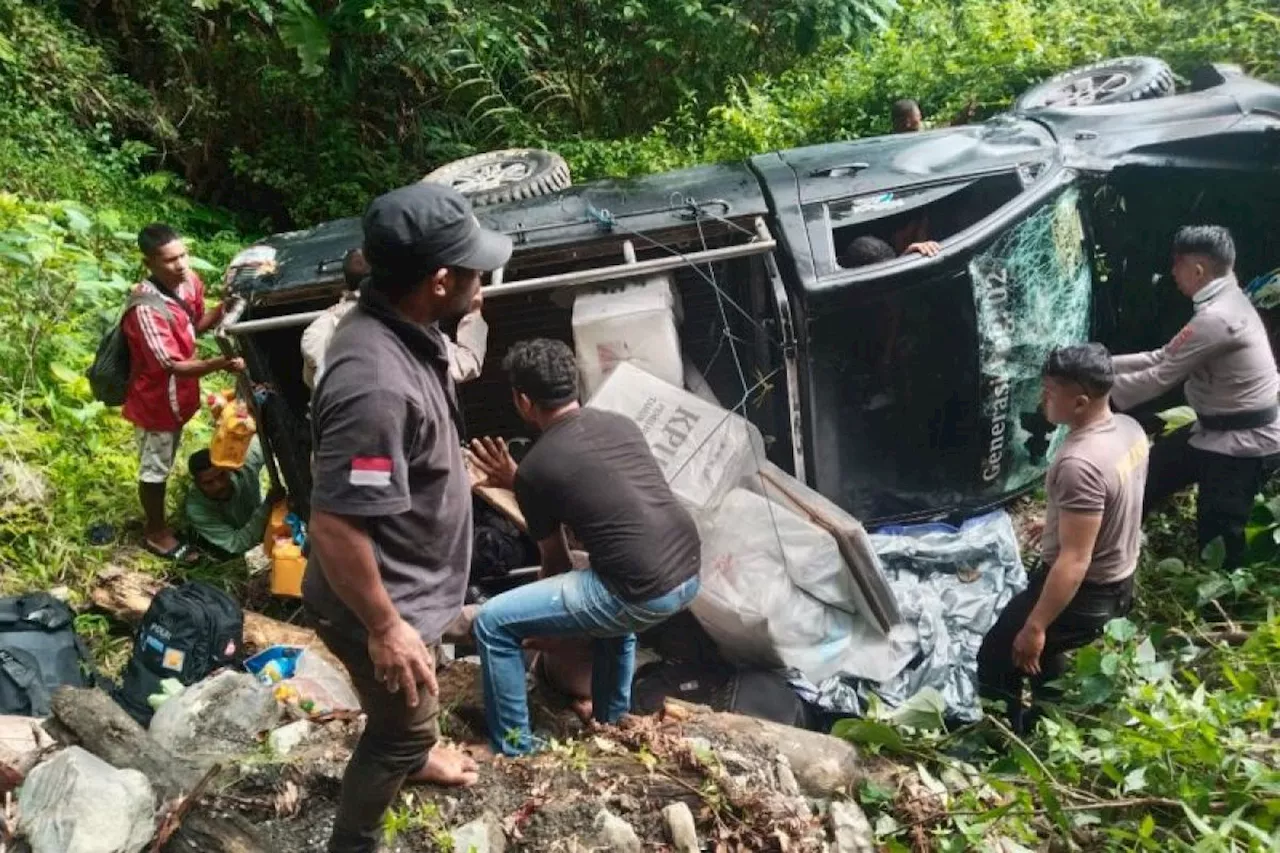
x: 181, y: 553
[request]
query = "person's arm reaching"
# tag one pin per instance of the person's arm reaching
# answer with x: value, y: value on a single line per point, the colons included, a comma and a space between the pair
x: 1146, y: 376
x: 466, y: 357
x: 158, y: 338
x: 1083, y: 495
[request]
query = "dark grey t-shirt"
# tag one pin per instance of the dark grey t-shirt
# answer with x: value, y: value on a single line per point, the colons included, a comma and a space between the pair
x: 594, y: 472
x: 387, y: 449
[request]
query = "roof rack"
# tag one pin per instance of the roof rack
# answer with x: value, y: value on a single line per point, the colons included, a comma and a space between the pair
x: 762, y: 242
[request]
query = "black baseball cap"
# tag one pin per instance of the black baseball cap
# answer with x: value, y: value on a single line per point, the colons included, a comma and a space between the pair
x: 423, y: 226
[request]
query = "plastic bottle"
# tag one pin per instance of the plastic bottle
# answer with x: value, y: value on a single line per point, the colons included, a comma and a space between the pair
x: 233, y: 435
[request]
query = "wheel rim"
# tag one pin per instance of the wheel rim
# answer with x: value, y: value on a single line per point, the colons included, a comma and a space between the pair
x: 491, y: 176
x: 1087, y: 90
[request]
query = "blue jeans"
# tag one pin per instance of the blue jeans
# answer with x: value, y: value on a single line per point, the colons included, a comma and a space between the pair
x: 575, y: 603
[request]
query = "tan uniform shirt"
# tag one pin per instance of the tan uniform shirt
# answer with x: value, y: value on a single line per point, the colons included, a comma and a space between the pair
x: 1224, y: 357
x: 1100, y: 470
x: 466, y: 356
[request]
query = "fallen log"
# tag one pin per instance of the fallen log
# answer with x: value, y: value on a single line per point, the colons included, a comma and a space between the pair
x: 100, y: 726
x: 127, y: 595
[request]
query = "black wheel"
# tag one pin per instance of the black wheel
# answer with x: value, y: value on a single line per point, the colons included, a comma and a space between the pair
x: 1113, y: 81
x: 501, y: 176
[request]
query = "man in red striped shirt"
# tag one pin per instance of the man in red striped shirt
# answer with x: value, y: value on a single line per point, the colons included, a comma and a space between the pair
x: 164, y: 376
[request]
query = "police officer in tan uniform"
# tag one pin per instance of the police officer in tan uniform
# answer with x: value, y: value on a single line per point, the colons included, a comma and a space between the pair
x: 1224, y: 358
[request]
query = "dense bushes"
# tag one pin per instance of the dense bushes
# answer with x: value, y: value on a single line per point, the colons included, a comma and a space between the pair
x: 301, y: 111
x: 968, y: 58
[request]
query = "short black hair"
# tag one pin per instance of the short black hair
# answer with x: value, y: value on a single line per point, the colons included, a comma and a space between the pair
x: 543, y: 370
x: 866, y: 250
x: 199, y: 462
x: 902, y: 110
x: 355, y: 269
x: 154, y: 236
x: 1212, y: 241
x: 1088, y: 365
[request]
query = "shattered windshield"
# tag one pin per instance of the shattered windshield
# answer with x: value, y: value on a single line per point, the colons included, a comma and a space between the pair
x: 1032, y: 290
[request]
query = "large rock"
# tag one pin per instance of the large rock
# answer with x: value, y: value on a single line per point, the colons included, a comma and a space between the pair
x: 215, y: 719
x: 681, y: 829
x: 77, y: 803
x: 615, y: 834
x: 482, y: 835
x: 850, y: 829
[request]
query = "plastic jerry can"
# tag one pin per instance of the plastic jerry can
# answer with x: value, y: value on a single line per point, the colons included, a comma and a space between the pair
x: 277, y: 527
x: 287, y: 567
x: 232, y: 436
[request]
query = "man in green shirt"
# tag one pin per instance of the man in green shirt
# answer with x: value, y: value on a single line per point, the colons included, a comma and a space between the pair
x: 227, y: 513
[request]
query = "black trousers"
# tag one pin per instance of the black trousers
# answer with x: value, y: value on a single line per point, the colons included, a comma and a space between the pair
x: 1228, y: 486
x: 1079, y: 624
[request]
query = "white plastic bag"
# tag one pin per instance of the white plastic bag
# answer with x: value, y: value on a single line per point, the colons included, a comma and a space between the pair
x: 704, y: 450
x: 633, y: 322
x: 757, y: 559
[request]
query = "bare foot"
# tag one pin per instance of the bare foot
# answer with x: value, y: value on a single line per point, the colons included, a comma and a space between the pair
x: 581, y: 707
x: 448, y: 766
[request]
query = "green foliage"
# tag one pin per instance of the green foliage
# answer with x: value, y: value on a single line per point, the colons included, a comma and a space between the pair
x: 64, y: 269
x: 961, y: 61
x: 1150, y: 750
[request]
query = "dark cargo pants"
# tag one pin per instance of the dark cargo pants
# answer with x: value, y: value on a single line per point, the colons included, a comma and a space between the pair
x: 1079, y: 624
x: 394, y: 745
x: 1228, y: 486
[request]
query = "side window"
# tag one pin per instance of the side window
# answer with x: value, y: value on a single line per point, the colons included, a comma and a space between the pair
x: 880, y: 227
x: 1032, y: 292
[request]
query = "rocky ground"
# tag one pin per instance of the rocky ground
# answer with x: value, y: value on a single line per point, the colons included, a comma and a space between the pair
x: 685, y: 780
x: 681, y: 782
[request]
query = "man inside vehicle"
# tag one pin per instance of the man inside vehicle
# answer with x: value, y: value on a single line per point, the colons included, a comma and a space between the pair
x: 592, y: 471
x: 466, y: 353
x: 1091, y: 538
x: 390, y: 527
x: 225, y: 508
x: 906, y: 116
x: 1224, y: 361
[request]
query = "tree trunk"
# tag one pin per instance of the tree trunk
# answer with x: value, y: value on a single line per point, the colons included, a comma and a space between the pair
x: 102, y: 727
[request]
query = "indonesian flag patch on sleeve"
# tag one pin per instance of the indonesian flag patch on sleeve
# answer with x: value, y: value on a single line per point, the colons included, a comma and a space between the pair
x: 370, y: 471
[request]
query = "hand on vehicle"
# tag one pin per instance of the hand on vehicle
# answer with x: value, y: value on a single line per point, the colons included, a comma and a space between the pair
x: 233, y: 365
x: 1027, y: 647
x: 928, y: 248
x: 401, y: 661
x: 492, y: 457
x: 477, y: 302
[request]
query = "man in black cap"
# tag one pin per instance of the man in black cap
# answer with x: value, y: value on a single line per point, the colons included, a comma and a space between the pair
x: 390, y: 530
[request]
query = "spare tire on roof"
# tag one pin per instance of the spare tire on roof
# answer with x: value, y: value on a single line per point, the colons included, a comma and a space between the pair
x: 1112, y: 81
x: 508, y: 175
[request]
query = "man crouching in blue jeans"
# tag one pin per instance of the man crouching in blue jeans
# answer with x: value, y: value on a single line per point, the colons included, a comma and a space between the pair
x: 593, y: 472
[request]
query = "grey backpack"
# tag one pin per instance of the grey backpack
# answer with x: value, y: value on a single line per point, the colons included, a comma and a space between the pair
x: 109, y: 373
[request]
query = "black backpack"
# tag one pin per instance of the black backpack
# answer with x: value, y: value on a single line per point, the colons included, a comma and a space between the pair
x: 187, y: 633
x: 39, y: 651
x: 109, y: 374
